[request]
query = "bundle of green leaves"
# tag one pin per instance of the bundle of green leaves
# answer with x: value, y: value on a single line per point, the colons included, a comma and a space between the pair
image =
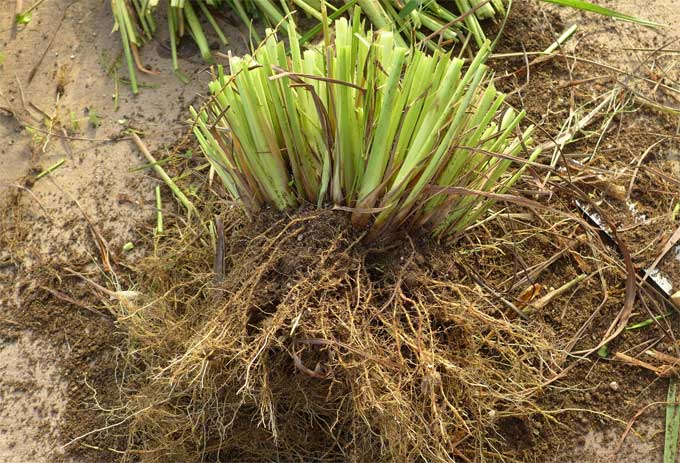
x: 429, y: 22
x: 400, y: 137
x: 413, y: 21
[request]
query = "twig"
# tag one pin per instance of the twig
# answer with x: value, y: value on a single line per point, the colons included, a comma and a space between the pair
x: 636, y: 362
x: 70, y: 300
x: 629, y: 426
x: 580, y: 125
x: 163, y: 175
x: 50, y: 169
x: 496, y: 294
x: 637, y: 167
x: 31, y: 75
x: 18, y: 7
x: 218, y: 265
x: 138, y: 61
x: 159, y: 211
x: 34, y: 197
x: 561, y: 39
x: 583, y: 60
x: 535, y: 271
x: 672, y: 241
x: 68, y: 137
x: 102, y: 244
x: 545, y: 300
x: 672, y: 361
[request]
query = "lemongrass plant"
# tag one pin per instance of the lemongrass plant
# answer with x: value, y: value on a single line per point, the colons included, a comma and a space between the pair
x: 366, y: 124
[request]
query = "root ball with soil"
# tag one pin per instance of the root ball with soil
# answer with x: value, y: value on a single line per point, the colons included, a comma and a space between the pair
x: 315, y: 346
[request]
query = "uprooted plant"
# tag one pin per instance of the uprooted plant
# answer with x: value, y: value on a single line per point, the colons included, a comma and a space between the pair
x: 294, y: 338
x: 314, y: 347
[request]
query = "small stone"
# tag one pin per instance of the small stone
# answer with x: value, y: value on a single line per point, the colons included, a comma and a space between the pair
x: 614, y: 386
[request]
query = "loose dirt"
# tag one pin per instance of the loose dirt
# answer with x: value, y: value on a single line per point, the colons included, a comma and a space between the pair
x: 34, y: 395
x: 551, y: 92
x: 55, y: 354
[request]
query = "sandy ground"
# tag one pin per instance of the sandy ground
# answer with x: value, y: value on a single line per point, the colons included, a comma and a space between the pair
x: 630, y: 48
x: 98, y: 174
x: 33, y: 398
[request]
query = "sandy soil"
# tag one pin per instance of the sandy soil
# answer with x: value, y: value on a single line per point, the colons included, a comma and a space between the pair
x: 97, y: 179
x: 99, y: 174
x: 33, y: 396
x: 98, y: 168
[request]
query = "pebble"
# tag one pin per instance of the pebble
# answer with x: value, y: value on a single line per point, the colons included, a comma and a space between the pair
x: 614, y: 386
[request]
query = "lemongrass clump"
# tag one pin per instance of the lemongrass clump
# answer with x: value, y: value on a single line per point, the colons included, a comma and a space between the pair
x: 433, y: 24
x: 364, y: 124
x: 430, y: 22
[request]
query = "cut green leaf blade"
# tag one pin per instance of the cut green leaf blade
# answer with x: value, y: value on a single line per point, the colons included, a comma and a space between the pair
x: 587, y: 6
x: 670, y: 451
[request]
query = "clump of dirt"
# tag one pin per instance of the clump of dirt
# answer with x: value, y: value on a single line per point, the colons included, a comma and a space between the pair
x: 315, y: 346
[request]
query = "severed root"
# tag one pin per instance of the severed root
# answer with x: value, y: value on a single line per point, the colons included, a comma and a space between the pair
x: 138, y: 61
x: 636, y: 362
x: 610, y: 188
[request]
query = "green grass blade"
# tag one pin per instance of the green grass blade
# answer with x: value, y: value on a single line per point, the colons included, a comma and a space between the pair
x: 196, y: 31
x: 587, y: 6
x: 123, y: 20
x: 670, y: 450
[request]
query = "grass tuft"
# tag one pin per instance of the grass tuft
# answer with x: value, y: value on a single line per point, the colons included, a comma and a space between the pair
x: 357, y: 126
